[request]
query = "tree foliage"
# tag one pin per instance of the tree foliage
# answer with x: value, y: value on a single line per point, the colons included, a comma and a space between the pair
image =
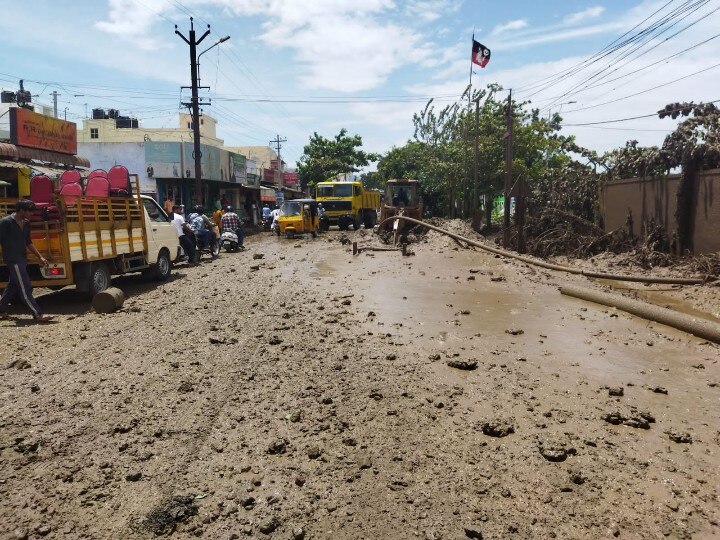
x: 325, y: 158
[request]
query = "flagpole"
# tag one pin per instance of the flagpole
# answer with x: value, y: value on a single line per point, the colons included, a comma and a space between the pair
x: 471, y: 63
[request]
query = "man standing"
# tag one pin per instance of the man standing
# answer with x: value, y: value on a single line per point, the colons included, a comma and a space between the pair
x: 15, y: 241
x: 169, y: 203
x: 231, y: 222
x: 187, y: 244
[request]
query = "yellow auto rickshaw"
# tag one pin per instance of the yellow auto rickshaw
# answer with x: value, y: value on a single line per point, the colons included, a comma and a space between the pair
x: 298, y: 216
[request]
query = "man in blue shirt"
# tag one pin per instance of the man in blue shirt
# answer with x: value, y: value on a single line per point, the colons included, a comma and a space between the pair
x: 15, y: 241
x: 202, y: 227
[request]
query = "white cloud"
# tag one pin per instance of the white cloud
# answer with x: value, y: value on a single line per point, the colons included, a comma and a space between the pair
x: 580, y: 16
x: 131, y: 19
x: 431, y: 10
x: 343, y: 45
x: 517, y: 24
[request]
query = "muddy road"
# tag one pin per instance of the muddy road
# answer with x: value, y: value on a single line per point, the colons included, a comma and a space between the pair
x: 313, y: 394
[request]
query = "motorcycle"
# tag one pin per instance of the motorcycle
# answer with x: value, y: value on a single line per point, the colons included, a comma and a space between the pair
x: 229, y: 241
x: 212, y: 249
x: 266, y: 223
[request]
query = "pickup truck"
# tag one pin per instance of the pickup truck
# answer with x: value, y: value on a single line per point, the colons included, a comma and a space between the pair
x: 87, y: 240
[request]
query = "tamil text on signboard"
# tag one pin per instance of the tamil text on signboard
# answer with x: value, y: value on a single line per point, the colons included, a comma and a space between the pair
x: 28, y: 128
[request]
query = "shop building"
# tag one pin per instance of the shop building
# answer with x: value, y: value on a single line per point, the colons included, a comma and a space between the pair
x: 33, y: 143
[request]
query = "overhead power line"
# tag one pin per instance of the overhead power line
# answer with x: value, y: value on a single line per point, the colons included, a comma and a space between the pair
x: 643, y: 91
x: 631, y: 117
x: 608, y: 71
x: 613, y: 47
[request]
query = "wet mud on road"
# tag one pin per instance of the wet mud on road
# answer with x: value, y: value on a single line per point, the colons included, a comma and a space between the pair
x: 308, y: 394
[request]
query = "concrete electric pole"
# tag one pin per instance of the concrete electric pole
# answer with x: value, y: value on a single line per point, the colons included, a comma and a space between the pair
x: 55, y: 96
x: 508, y: 170
x: 194, y: 104
x: 277, y: 142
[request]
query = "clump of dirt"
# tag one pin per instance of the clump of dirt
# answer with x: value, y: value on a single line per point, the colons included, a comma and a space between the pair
x: 163, y: 519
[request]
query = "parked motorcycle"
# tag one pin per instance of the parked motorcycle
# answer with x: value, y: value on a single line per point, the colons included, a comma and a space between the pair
x: 230, y: 242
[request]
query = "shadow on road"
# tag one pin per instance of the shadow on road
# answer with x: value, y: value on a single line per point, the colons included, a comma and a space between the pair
x: 70, y: 301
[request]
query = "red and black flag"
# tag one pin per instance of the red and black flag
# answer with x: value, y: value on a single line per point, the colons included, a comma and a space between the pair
x: 480, y: 54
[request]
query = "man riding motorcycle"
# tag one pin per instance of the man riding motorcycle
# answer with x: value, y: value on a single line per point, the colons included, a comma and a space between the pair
x: 201, y: 226
x: 231, y: 222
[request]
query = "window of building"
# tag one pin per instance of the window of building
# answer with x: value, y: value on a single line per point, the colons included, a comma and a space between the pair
x: 189, y: 126
x: 202, y: 121
x: 94, y: 133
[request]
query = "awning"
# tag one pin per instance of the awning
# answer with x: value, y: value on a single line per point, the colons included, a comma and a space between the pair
x: 12, y: 164
x: 45, y: 169
x: 12, y: 152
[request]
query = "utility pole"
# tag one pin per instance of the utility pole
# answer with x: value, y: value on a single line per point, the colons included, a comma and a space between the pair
x: 475, y: 215
x: 508, y: 170
x: 194, y: 104
x: 277, y: 141
x: 55, y: 96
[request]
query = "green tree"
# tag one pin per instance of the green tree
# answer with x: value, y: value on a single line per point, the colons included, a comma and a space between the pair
x: 324, y: 158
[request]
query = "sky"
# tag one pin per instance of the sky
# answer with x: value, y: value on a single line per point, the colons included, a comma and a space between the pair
x: 294, y: 67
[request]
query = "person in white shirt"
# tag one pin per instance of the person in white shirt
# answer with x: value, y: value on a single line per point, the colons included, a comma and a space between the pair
x: 274, y: 216
x: 186, y: 242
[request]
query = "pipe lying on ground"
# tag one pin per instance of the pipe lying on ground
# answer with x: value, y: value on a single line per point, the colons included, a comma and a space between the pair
x: 549, y: 266
x: 693, y: 325
x: 109, y: 300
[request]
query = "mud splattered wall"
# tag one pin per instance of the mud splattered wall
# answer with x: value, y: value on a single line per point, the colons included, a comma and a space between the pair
x: 655, y: 198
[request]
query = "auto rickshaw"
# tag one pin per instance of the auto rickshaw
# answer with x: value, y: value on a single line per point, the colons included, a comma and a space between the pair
x: 298, y: 216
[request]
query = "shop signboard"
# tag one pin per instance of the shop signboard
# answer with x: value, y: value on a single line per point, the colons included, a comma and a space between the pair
x: 290, y: 179
x: 267, y: 194
x: 163, y: 159
x: 279, y: 197
x: 238, y: 169
x: 30, y: 129
x: 269, y: 176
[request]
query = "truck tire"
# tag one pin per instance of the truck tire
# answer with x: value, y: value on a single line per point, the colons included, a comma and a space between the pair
x: 369, y: 218
x: 357, y: 222
x: 99, y: 278
x: 161, y: 270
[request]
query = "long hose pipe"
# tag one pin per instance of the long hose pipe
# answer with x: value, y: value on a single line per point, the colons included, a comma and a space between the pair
x: 701, y: 328
x: 549, y: 266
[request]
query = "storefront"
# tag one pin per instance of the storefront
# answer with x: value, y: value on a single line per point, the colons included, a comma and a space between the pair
x: 18, y: 163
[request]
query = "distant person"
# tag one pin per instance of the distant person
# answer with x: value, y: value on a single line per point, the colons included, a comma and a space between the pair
x: 217, y: 218
x: 201, y: 226
x: 187, y: 244
x: 218, y: 204
x: 169, y: 204
x: 274, y: 215
x: 224, y: 201
x: 16, y: 241
x: 320, y: 210
x: 266, y: 211
x: 231, y: 222
x: 402, y: 197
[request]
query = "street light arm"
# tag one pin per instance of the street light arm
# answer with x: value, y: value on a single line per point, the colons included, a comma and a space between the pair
x: 221, y: 40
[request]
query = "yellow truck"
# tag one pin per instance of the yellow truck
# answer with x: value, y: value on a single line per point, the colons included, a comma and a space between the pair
x: 86, y: 240
x: 347, y: 203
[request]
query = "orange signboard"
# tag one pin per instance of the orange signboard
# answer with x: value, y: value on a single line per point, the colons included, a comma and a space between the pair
x: 28, y: 128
